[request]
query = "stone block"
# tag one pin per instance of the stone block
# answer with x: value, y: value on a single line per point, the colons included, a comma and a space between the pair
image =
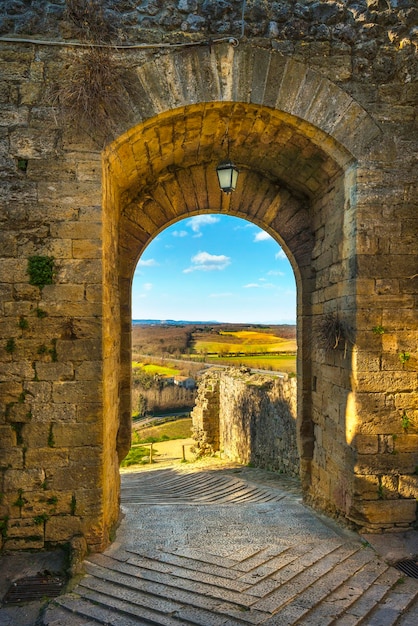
x: 15, y: 371
x: 408, y: 486
x: 12, y: 116
x: 94, y: 293
x: 76, y: 435
x: 10, y: 391
x: 11, y: 457
x: 406, y: 443
x: 68, y: 194
x: 90, y: 412
x: 74, y: 476
x: 366, y: 487
x: 382, y: 512
x: 75, y: 392
x: 27, y: 479
x: 58, y: 248
x: 87, y: 249
x: 89, y: 370
x: 394, y: 382
x: 367, y: 444
x: 36, y: 435
x: 30, y: 93
x: 79, y: 350
x: 6, y: 437
x: 61, y: 528
x: 406, y: 401
x: 54, y: 412
x: 19, y: 412
x: 24, y: 529
x: 380, y: 464
x: 30, y: 143
x: 47, y: 502
x: 62, y: 293
x: 46, y: 457
x: 54, y: 371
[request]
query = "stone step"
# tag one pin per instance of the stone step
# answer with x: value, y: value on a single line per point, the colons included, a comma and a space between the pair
x: 56, y: 615
x: 216, y: 603
x: 339, y: 600
x: 371, y: 597
x: 399, y: 598
x: 103, y: 614
x: 155, y: 605
x: 248, y: 565
x: 314, y: 596
x: 292, y: 586
x: 193, y: 488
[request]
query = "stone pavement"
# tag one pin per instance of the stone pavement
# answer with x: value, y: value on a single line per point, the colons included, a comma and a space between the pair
x: 231, y: 547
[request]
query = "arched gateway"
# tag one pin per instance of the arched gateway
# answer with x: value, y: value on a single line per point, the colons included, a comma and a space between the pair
x: 304, y: 148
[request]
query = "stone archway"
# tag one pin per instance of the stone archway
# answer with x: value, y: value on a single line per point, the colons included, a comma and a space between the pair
x: 296, y: 183
x: 307, y: 150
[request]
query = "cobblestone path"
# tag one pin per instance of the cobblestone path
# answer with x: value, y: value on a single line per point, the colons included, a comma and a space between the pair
x: 229, y: 548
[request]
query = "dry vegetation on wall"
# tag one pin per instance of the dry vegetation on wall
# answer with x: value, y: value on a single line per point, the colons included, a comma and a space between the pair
x: 90, y: 21
x: 90, y: 92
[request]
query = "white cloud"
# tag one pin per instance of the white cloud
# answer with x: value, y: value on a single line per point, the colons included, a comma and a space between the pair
x: 260, y: 285
x: 243, y: 226
x: 280, y: 255
x: 262, y: 236
x: 147, y: 286
x: 179, y: 233
x: 198, y: 221
x: 147, y: 263
x: 208, y: 262
x: 275, y: 273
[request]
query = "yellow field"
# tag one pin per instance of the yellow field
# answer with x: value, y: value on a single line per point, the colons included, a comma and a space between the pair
x: 274, y: 362
x: 245, y: 341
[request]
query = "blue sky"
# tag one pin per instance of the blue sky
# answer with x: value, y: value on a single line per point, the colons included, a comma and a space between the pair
x: 214, y: 268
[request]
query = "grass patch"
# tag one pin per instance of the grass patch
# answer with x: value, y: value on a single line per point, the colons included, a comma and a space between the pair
x: 136, y: 456
x: 179, y: 429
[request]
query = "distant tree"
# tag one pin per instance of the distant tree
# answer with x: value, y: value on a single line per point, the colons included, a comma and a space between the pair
x: 142, y: 404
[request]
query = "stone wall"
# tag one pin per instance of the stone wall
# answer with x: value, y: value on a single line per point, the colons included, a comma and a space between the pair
x: 319, y: 100
x: 359, y: 23
x: 250, y: 418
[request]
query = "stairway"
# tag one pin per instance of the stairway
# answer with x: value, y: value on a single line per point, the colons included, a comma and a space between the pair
x: 213, y: 549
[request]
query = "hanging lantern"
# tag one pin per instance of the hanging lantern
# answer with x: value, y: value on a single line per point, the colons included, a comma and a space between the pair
x: 227, y: 175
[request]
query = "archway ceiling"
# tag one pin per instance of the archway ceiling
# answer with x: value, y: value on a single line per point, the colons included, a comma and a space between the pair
x: 189, y: 142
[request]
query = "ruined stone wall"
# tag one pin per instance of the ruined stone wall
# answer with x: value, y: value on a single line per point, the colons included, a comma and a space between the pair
x: 321, y: 101
x: 250, y: 418
x: 205, y: 415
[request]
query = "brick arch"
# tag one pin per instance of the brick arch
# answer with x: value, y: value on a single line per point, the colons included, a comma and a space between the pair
x: 162, y: 170
x: 249, y: 75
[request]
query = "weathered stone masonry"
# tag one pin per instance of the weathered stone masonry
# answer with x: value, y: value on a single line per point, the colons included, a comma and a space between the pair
x: 319, y: 104
x: 249, y: 418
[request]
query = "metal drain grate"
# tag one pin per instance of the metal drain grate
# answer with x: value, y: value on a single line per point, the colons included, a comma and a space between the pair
x: 34, y: 588
x: 408, y: 567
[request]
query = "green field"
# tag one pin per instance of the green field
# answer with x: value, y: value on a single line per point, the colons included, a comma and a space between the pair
x: 139, y: 455
x: 152, y: 368
x: 179, y: 429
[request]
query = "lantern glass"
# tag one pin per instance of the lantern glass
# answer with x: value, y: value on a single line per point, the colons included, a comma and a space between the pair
x: 227, y: 176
